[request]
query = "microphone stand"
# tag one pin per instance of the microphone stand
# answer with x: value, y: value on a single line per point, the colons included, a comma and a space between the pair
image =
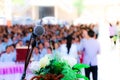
x: 28, y: 56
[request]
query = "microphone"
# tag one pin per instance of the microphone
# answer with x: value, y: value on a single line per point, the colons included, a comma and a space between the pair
x: 38, y: 31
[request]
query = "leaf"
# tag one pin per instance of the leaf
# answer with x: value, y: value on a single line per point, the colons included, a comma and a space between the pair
x: 81, y: 76
x: 68, y: 73
x: 76, y: 70
x: 80, y: 66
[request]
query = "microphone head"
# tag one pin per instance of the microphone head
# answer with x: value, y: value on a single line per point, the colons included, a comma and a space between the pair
x: 38, y: 30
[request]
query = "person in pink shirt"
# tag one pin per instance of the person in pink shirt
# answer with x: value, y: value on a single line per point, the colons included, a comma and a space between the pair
x: 112, y: 30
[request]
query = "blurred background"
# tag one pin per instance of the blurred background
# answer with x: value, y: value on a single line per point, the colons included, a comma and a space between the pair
x: 19, y: 17
x: 11, y: 11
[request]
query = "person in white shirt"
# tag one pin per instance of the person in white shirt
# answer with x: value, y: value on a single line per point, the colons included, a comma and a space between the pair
x: 1, y: 50
x: 55, y: 50
x: 7, y: 56
x: 91, y: 48
x: 44, y: 50
x: 13, y: 50
x: 6, y: 42
x: 63, y: 48
x: 36, y: 54
x: 50, y: 53
x: 19, y: 44
x: 41, y: 49
x: 73, y: 49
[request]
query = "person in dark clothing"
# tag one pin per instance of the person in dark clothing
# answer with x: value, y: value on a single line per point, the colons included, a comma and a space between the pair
x: 91, y: 48
x: 69, y: 41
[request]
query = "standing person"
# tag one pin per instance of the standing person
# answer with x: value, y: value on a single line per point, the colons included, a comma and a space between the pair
x: 112, y: 30
x: 69, y: 40
x: 118, y: 30
x: 96, y: 30
x: 73, y: 50
x: 91, y: 48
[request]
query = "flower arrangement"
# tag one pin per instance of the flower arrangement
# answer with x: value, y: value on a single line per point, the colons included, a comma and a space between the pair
x: 65, y: 68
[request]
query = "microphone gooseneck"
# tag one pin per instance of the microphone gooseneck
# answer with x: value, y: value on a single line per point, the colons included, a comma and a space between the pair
x: 38, y: 31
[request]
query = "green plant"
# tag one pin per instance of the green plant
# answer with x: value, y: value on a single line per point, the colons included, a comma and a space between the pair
x: 57, y: 66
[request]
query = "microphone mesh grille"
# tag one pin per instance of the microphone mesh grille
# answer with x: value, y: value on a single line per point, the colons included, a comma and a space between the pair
x: 39, y: 30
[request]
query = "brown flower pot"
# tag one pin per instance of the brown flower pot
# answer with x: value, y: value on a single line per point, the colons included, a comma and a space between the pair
x: 48, y: 77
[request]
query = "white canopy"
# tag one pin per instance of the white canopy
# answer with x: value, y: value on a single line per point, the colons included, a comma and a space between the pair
x: 85, y: 18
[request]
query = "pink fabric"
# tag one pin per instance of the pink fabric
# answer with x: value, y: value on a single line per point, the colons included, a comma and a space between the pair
x: 112, y: 31
x: 11, y: 69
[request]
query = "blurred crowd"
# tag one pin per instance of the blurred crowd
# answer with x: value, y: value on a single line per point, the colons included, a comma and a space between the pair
x: 56, y: 40
x: 52, y: 39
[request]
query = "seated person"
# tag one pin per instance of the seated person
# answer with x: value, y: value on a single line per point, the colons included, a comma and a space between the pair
x: 1, y: 46
x: 7, y: 56
x: 49, y: 52
x: 13, y: 50
x: 41, y: 49
x: 6, y: 42
x: 19, y: 44
x: 35, y: 54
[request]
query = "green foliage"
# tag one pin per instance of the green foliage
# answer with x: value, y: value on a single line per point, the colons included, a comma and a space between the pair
x: 78, y: 4
x: 81, y: 76
x: 57, y: 66
x: 68, y: 73
x: 18, y: 2
x: 79, y: 66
